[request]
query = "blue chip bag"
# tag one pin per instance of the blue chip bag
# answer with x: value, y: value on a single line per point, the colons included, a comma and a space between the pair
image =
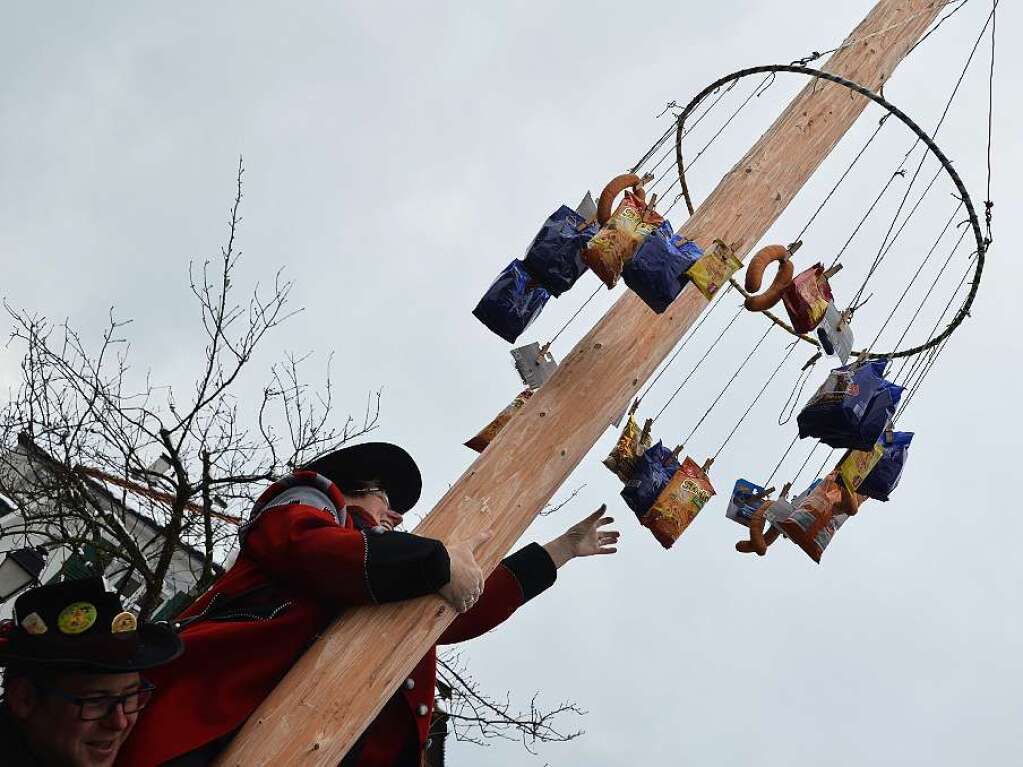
x: 554, y: 258
x: 657, y: 273
x: 884, y: 477
x: 742, y: 505
x: 654, y: 469
x: 512, y: 302
x: 852, y: 407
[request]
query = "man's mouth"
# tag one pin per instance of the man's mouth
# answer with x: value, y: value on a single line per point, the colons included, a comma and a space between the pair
x: 102, y: 748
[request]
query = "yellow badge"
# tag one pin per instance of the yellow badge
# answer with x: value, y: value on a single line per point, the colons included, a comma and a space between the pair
x: 122, y: 623
x: 76, y: 618
x: 33, y: 624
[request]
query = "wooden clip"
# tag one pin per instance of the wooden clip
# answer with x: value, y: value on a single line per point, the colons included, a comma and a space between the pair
x: 792, y: 248
x: 588, y: 222
x: 677, y: 451
x: 784, y: 494
x: 543, y: 350
x: 634, y: 407
x: 646, y: 430
x: 706, y: 465
x: 811, y: 362
x: 832, y: 271
x: 762, y: 494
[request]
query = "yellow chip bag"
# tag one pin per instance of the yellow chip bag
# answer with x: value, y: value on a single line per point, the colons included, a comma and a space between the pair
x: 714, y: 268
x: 616, y: 243
x: 631, y: 445
x: 679, y: 503
x: 488, y: 432
x: 857, y: 464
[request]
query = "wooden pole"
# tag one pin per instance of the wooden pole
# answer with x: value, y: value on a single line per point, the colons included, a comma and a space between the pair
x: 335, y: 690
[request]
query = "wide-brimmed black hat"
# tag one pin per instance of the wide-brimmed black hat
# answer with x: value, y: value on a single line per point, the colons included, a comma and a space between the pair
x: 80, y: 626
x: 377, y: 462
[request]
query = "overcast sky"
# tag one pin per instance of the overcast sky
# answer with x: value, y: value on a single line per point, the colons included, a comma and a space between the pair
x: 398, y: 156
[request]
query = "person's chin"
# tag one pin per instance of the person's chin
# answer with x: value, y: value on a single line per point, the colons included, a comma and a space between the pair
x: 100, y: 753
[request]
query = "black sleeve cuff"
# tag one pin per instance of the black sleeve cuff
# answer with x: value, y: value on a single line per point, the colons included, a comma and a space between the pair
x: 402, y: 566
x: 533, y: 568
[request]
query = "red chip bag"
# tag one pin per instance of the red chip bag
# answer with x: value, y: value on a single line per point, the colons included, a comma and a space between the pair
x: 678, y: 503
x: 806, y: 299
x: 488, y: 432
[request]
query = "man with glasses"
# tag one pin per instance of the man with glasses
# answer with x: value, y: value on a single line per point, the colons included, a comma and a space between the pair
x: 317, y: 541
x: 72, y: 689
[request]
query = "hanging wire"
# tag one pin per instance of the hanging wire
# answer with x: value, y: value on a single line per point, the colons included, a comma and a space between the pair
x: 792, y: 444
x: 572, y: 318
x: 806, y: 460
x: 796, y: 395
x: 899, y: 173
x: 731, y: 380
x: 792, y: 348
x: 941, y: 21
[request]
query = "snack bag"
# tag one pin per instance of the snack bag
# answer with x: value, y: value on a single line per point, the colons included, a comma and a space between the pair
x: 488, y: 432
x: 554, y: 258
x: 632, y: 443
x: 616, y: 242
x: 657, y: 273
x: 816, y: 518
x: 512, y: 302
x: 714, y: 268
x: 742, y: 505
x: 806, y: 299
x: 835, y: 334
x: 857, y: 464
x: 884, y: 478
x: 653, y: 470
x: 852, y: 407
x: 678, y: 503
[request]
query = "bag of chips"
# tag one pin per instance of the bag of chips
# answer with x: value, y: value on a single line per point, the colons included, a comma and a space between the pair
x: 857, y: 464
x: 884, y: 478
x: 654, y: 469
x: 852, y: 407
x: 714, y: 268
x: 512, y: 302
x: 835, y: 334
x: 678, y: 503
x: 806, y: 299
x: 488, y: 432
x: 632, y: 443
x: 617, y: 241
x: 816, y: 518
x: 554, y: 258
x: 657, y: 273
x: 742, y: 504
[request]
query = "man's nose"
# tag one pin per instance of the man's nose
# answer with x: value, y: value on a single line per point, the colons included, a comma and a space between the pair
x: 116, y: 719
x: 393, y: 517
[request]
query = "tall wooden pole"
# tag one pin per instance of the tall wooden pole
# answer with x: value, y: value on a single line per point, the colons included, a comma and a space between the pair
x: 333, y: 692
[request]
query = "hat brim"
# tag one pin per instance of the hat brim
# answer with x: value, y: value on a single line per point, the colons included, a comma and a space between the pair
x: 381, y: 462
x: 151, y: 645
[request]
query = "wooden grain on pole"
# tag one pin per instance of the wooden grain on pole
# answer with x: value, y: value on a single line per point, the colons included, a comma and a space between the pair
x: 333, y: 692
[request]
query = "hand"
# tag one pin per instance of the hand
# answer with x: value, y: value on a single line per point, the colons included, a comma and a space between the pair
x: 584, y: 539
x: 466, y: 583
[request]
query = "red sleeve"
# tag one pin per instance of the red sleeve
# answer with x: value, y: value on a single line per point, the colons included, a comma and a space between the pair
x: 305, y: 547
x: 515, y: 581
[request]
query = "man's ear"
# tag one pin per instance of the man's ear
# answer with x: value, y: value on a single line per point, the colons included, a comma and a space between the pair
x: 22, y: 697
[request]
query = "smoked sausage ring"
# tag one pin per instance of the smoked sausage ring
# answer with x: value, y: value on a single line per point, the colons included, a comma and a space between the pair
x: 755, y: 277
x: 758, y: 540
x: 614, y: 187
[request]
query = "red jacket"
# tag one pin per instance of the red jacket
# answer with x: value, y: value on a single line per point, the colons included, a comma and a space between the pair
x: 297, y: 567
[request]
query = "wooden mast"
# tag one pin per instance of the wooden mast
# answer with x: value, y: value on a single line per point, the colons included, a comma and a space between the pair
x: 334, y: 691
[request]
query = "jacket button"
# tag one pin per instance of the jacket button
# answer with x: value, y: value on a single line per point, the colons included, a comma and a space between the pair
x: 427, y: 743
x: 422, y: 709
x: 410, y: 683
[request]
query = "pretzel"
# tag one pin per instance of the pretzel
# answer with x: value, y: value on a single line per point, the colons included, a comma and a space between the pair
x: 755, y: 277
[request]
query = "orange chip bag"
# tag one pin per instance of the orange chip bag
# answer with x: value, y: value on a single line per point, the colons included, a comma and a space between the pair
x: 714, y: 268
x: 817, y: 518
x: 857, y: 464
x: 678, y: 504
x: 488, y: 432
x: 631, y: 445
x: 616, y: 243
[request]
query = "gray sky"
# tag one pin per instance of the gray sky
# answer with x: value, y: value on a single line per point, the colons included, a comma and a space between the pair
x: 398, y: 156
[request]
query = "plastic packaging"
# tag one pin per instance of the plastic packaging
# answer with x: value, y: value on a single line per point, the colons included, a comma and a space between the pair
x: 488, y: 432
x: 857, y: 464
x: 852, y: 407
x: 835, y: 334
x: 657, y: 273
x: 554, y: 258
x: 512, y: 302
x: 742, y: 505
x: 632, y: 443
x: 806, y: 299
x: 885, y: 476
x: 617, y: 242
x: 714, y: 268
x: 678, y: 503
x: 816, y: 519
x: 654, y: 469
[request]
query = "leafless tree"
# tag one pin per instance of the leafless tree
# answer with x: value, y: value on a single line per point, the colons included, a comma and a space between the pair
x: 82, y: 438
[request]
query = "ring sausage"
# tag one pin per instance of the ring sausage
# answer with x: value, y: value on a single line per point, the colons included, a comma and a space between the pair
x: 758, y: 540
x: 755, y: 277
x: 616, y: 186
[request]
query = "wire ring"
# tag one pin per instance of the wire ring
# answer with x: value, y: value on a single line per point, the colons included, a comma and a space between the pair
x: 982, y: 243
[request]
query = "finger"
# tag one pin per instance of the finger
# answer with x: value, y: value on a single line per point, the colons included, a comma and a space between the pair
x: 597, y: 514
x: 610, y: 550
x: 605, y: 521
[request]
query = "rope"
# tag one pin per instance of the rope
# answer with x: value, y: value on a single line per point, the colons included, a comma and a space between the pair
x: 795, y: 396
x: 792, y: 348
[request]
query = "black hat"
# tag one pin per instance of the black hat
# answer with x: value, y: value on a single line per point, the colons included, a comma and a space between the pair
x: 379, y: 462
x: 80, y: 626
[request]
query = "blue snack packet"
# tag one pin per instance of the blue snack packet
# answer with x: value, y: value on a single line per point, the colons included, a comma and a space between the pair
x: 512, y: 302
x: 742, y: 505
x: 852, y: 407
x: 884, y: 478
x: 654, y: 469
x: 554, y: 258
x: 657, y: 273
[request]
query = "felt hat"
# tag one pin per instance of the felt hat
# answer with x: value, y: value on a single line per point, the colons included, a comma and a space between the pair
x: 80, y: 626
x: 382, y: 463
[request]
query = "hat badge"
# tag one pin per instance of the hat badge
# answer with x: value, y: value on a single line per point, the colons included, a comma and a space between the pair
x: 34, y: 624
x: 123, y: 623
x: 76, y: 618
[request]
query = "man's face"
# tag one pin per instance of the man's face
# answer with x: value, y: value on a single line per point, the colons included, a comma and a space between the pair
x: 377, y: 507
x: 55, y: 731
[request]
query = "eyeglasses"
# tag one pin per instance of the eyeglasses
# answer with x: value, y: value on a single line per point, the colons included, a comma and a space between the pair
x: 92, y: 708
x: 373, y: 491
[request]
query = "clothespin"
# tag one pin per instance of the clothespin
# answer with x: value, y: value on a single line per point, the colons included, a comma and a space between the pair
x: 646, y: 430
x: 587, y: 223
x: 828, y: 274
x: 762, y: 494
x: 706, y: 465
x: 811, y: 362
x: 793, y: 247
x: 543, y: 350
x: 889, y: 433
x: 635, y: 407
x: 784, y: 494
x: 677, y: 451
